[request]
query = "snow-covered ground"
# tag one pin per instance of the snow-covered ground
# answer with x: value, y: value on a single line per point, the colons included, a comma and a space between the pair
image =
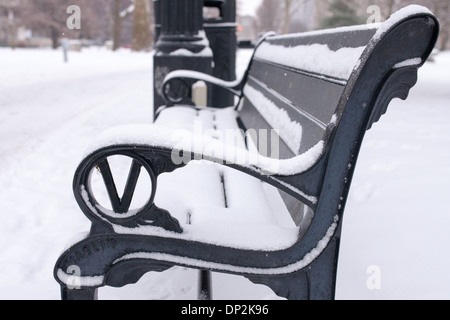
x: 396, y: 221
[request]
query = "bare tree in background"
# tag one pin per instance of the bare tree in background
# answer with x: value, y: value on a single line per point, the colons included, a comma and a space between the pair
x: 390, y: 6
x: 441, y: 8
x: 140, y: 11
x: 141, y: 26
x: 9, y: 8
x: 101, y: 20
x: 291, y: 7
x: 387, y: 7
x: 47, y: 17
x: 119, y: 16
x: 269, y: 16
x: 276, y: 15
x: 96, y: 19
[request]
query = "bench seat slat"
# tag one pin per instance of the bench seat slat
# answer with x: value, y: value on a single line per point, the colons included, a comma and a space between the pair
x: 208, y: 199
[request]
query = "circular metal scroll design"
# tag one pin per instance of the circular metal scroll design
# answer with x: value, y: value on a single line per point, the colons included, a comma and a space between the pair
x: 119, y: 210
x: 176, y: 90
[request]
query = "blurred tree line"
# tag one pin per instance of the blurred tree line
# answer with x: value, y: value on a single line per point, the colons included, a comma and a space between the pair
x: 285, y: 16
x: 124, y: 22
x: 130, y: 22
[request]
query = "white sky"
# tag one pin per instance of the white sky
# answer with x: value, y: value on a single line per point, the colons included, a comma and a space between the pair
x: 248, y: 7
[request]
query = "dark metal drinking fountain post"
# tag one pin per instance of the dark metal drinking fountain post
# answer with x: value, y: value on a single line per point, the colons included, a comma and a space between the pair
x: 181, y: 42
x: 220, y: 29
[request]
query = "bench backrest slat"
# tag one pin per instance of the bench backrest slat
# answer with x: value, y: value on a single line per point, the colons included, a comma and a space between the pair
x: 302, y: 85
x: 295, y: 82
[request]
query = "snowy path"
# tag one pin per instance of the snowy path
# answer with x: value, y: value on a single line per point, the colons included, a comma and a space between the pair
x: 396, y: 219
x: 45, y: 125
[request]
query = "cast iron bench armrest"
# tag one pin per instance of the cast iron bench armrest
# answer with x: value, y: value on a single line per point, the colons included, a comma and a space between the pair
x: 181, y: 147
x: 159, y: 150
x: 151, y: 136
x: 235, y: 87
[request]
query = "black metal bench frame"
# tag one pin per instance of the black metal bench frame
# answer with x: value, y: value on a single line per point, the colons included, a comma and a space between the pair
x: 308, y: 269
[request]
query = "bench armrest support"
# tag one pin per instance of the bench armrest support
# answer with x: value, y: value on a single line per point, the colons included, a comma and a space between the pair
x: 187, y: 77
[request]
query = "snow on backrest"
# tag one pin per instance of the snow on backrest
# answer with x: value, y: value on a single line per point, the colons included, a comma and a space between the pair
x: 296, y: 81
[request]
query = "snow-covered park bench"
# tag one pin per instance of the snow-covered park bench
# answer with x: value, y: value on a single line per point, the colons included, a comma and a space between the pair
x: 257, y: 189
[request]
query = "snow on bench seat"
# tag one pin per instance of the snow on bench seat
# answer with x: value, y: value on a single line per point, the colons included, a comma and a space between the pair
x: 216, y: 204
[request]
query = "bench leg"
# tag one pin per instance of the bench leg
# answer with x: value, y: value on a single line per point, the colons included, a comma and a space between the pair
x: 292, y: 286
x: 205, y: 291
x: 322, y: 274
x: 79, y: 294
x: 316, y: 282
